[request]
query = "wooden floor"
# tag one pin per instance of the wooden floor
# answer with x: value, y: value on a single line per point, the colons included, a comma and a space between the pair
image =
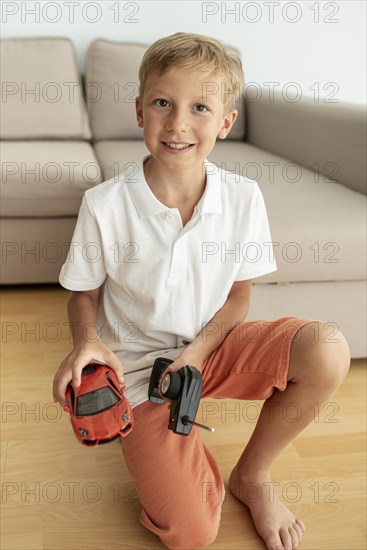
x: 59, y: 495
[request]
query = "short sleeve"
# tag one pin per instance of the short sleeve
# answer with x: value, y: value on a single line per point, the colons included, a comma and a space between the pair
x: 257, y: 253
x: 84, y: 268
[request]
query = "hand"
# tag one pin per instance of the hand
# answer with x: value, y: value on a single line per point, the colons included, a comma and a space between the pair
x: 73, y: 364
x: 185, y: 358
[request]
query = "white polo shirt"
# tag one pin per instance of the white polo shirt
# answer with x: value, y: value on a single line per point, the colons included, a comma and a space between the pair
x: 162, y: 282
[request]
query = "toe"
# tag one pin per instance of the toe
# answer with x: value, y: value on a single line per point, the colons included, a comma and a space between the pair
x: 298, y: 530
x: 301, y: 524
x: 294, y: 537
x: 274, y: 542
x: 286, y: 539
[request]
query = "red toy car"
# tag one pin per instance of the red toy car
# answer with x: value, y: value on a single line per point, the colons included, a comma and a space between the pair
x: 99, y: 411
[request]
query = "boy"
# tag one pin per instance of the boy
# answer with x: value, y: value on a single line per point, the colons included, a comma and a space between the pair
x: 169, y: 282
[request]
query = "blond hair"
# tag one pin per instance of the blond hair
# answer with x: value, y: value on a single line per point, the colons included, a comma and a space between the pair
x: 188, y: 50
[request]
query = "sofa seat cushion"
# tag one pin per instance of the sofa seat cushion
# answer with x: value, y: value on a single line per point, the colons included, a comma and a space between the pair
x: 46, y: 178
x: 116, y: 156
x: 317, y: 227
x: 42, y: 90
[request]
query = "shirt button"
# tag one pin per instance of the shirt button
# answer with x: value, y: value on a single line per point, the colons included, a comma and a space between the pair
x: 169, y: 217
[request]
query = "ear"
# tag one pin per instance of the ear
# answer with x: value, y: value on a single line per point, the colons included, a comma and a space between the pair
x: 139, y: 112
x: 227, y: 124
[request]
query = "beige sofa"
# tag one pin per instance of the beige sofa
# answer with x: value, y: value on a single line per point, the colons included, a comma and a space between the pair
x: 308, y: 157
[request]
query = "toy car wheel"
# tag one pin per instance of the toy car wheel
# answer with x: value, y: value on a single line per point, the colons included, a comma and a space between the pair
x: 171, y: 385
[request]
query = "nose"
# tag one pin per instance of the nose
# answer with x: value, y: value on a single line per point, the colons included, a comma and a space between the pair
x: 177, y: 121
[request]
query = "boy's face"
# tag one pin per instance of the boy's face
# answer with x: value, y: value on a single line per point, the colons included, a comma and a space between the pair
x: 183, y: 106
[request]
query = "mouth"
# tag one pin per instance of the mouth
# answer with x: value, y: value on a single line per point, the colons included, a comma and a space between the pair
x: 177, y: 147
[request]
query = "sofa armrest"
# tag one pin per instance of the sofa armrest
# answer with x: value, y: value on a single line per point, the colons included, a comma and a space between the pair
x: 329, y: 138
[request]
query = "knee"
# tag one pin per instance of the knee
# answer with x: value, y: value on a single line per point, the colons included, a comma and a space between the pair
x: 189, y: 536
x: 186, y: 543
x: 189, y: 524
x: 195, y: 528
x: 323, y: 352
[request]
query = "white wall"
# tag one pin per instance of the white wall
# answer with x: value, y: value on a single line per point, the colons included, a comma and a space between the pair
x: 323, y: 50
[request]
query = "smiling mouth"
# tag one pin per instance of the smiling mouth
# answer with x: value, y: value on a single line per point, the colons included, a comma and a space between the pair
x: 178, y: 145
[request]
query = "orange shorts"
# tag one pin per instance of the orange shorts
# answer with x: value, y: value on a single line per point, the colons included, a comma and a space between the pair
x: 177, y: 478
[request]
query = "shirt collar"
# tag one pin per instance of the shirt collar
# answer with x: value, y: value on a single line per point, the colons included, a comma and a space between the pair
x: 147, y: 203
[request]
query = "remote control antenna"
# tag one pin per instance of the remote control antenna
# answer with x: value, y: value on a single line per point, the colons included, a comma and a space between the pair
x: 186, y: 420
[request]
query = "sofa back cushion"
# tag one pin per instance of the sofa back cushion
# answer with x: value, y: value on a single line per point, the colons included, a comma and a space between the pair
x: 42, y: 96
x: 112, y: 83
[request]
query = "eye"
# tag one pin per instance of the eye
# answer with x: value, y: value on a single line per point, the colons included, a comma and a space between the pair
x: 203, y: 108
x: 160, y: 102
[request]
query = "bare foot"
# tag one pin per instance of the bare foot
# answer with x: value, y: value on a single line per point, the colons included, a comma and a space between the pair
x: 276, y: 525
